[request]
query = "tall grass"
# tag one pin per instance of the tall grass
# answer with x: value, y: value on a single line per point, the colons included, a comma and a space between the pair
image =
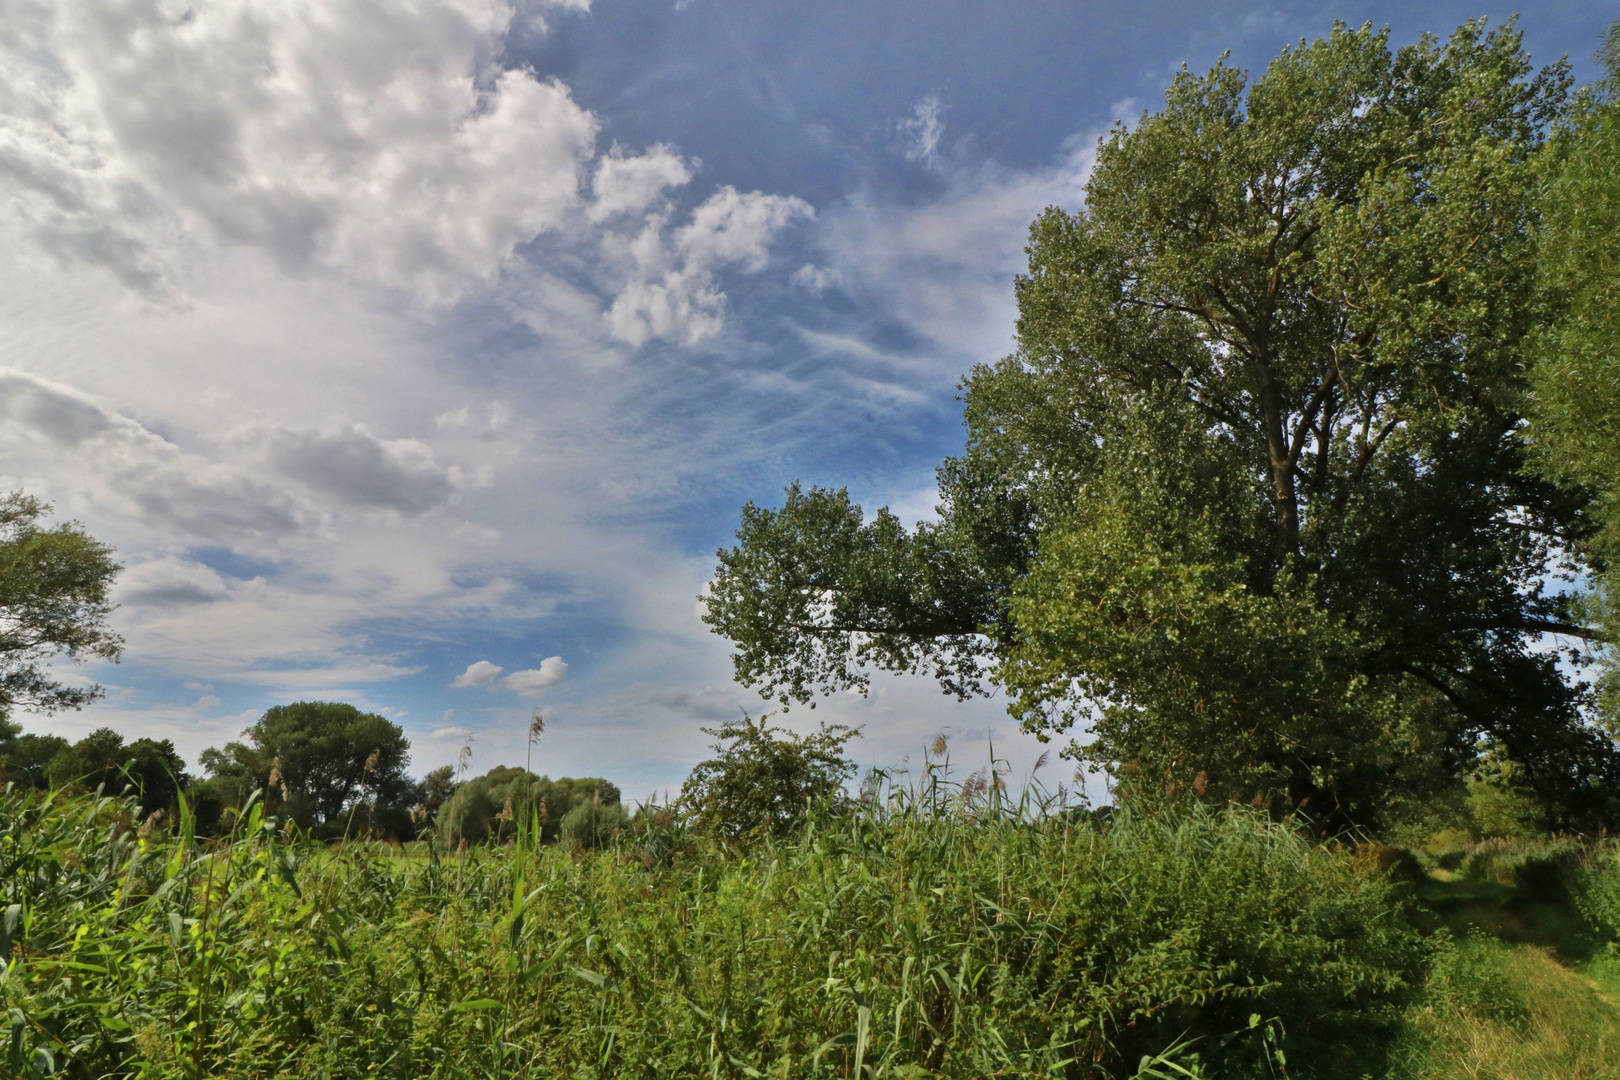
x: 930, y: 933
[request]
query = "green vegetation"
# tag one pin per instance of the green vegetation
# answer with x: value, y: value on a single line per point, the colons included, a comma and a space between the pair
x: 931, y: 932
x: 1575, y: 410
x: 763, y: 778
x: 318, y: 761
x: 53, y: 602
x: 1250, y: 505
x: 1308, y: 447
x: 926, y: 935
x: 494, y: 806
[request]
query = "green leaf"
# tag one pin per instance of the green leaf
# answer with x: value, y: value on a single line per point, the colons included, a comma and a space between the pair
x: 476, y: 1005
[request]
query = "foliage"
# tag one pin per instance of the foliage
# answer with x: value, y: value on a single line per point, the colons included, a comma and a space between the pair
x: 922, y: 935
x: 434, y: 790
x: 27, y: 755
x: 1576, y: 407
x: 315, y: 760
x: 53, y: 600
x: 1249, y: 499
x: 103, y: 760
x: 1508, y: 1012
x: 765, y: 779
x: 493, y: 806
x: 592, y: 824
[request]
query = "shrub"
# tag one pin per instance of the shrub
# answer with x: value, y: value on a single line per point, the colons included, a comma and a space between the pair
x: 763, y: 778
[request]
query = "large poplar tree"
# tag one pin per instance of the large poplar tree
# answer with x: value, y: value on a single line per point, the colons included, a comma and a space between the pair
x: 1576, y: 403
x: 1248, y: 508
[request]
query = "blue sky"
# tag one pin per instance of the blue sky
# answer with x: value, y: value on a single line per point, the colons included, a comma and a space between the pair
x: 396, y: 343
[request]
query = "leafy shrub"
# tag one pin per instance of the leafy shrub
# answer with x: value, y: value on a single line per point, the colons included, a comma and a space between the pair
x: 1595, y: 889
x: 764, y: 778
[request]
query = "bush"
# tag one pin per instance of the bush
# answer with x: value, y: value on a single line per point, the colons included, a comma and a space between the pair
x: 1594, y: 886
x: 764, y: 778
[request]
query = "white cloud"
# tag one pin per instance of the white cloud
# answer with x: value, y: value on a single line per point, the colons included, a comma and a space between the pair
x: 945, y: 267
x: 920, y: 132
x: 373, y: 139
x: 626, y: 185
x: 79, y: 447
x: 536, y: 681
x: 358, y: 469
x: 168, y: 583
x: 206, y: 703
x: 481, y: 673
x: 450, y: 732
x: 816, y: 279
x: 671, y: 292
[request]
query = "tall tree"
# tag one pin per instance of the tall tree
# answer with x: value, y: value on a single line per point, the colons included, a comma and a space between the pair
x: 316, y: 758
x: 1575, y: 418
x: 53, y: 601
x: 1249, y: 501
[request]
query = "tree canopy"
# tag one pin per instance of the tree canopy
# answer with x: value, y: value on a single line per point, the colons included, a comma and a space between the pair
x: 315, y: 759
x: 491, y: 806
x: 1575, y: 414
x: 53, y: 601
x: 103, y: 760
x: 1249, y: 504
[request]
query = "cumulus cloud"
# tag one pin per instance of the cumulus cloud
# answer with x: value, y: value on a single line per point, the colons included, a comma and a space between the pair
x: 76, y: 445
x: 536, y: 681
x: 171, y: 582
x: 374, y: 139
x: 481, y: 673
x: 671, y: 292
x: 626, y: 184
x: 358, y: 469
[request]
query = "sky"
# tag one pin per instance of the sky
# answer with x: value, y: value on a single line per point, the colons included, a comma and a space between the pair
x: 419, y: 354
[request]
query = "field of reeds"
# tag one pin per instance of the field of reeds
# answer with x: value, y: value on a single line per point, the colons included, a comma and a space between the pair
x: 909, y: 935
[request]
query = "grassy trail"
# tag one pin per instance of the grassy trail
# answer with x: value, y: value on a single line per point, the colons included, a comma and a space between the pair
x: 1527, y: 992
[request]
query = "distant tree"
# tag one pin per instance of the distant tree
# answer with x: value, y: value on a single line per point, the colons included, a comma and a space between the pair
x: 103, y: 760
x: 592, y: 824
x: 53, y: 601
x: 26, y: 756
x: 764, y: 777
x: 489, y: 807
x: 315, y: 760
x: 1575, y: 415
x: 434, y: 790
x: 1250, y: 500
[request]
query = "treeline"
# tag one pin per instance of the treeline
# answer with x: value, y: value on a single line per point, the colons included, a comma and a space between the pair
x: 326, y: 768
x: 332, y: 772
